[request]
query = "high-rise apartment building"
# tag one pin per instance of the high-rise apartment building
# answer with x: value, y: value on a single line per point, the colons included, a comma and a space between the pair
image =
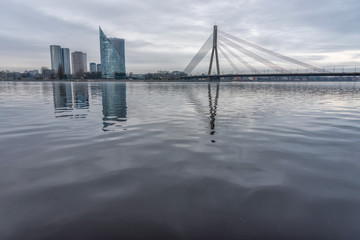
x: 60, y: 56
x: 65, y: 60
x: 56, y: 57
x: 85, y: 62
x: 112, y: 52
x: 92, y: 67
x: 79, y: 63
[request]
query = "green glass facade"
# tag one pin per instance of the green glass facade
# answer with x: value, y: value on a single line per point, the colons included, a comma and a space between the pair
x: 112, y: 53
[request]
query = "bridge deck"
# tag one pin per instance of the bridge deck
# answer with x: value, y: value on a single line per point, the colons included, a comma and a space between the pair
x: 325, y: 74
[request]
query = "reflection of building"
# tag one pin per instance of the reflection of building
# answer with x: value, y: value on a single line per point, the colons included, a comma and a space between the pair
x: 79, y: 63
x: 81, y: 95
x: 92, y: 67
x: 62, y: 95
x: 55, y: 54
x: 69, y: 96
x: 112, y: 51
x: 114, y: 103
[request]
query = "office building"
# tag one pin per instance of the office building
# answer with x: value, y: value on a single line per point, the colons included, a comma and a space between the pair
x: 112, y: 52
x: 65, y: 60
x: 98, y: 67
x: 85, y: 62
x: 32, y: 73
x: 79, y: 63
x: 47, y: 73
x: 56, y: 57
x: 60, y: 56
x: 92, y: 67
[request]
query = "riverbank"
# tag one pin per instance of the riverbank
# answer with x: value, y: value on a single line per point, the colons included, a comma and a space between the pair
x: 177, y: 80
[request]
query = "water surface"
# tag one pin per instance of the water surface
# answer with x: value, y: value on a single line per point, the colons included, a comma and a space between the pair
x: 114, y: 160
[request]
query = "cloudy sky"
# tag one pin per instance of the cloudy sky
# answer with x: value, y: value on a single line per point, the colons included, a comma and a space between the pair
x: 166, y: 34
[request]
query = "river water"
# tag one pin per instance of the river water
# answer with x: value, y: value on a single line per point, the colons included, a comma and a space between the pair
x: 107, y: 160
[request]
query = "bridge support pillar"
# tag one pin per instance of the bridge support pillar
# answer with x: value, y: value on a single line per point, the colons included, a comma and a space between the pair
x: 214, y: 52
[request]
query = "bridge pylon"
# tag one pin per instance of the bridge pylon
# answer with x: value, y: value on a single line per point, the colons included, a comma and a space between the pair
x: 214, y: 51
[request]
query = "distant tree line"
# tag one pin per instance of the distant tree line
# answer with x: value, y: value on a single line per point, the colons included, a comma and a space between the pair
x: 164, y: 75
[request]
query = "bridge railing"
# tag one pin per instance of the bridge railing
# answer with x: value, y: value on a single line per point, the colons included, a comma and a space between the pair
x: 328, y: 69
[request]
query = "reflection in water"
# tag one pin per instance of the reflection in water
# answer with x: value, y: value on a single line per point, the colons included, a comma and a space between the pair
x: 81, y: 95
x: 285, y: 164
x: 197, y: 102
x: 69, y: 96
x: 62, y: 96
x: 114, y: 104
x: 213, y: 107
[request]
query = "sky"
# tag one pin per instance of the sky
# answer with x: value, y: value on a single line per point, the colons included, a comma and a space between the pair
x: 166, y: 34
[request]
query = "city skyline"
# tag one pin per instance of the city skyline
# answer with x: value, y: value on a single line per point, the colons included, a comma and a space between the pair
x: 320, y: 33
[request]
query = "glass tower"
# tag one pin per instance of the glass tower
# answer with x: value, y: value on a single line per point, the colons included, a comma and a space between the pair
x: 65, y: 60
x: 112, y: 52
x: 92, y: 67
x: 56, y: 57
x: 60, y: 56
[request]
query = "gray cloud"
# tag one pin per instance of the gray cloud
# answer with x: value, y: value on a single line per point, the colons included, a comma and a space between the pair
x: 166, y: 34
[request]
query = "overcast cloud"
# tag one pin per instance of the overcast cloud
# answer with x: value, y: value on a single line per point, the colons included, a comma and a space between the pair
x: 166, y: 34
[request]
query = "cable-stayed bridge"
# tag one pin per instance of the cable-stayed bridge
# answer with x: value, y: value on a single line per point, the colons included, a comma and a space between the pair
x: 237, y: 51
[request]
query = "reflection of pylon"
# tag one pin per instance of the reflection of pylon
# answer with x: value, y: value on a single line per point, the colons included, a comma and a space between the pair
x: 214, y: 50
x: 213, y: 107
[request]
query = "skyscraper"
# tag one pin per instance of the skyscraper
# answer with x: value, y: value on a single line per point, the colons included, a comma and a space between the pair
x: 98, y: 67
x: 112, y: 52
x: 60, y: 56
x: 65, y: 60
x: 56, y: 57
x: 85, y: 61
x: 79, y: 65
x: 92, y: 67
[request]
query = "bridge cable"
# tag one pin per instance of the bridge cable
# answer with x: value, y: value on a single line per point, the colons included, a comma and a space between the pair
x: 262, y: 60
x: 237, y: 70
x: 238, y: 58
x: 271, y: 52
x: 199, y: 56
x: 203, y: 51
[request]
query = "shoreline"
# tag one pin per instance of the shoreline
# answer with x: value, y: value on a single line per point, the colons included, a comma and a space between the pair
x: 169, y: 80
x: 165, y: 81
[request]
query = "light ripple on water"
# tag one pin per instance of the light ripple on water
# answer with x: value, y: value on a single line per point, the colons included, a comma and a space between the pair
x: 262, y: 161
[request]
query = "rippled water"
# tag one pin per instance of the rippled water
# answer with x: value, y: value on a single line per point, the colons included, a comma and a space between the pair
x: 179, y: 160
